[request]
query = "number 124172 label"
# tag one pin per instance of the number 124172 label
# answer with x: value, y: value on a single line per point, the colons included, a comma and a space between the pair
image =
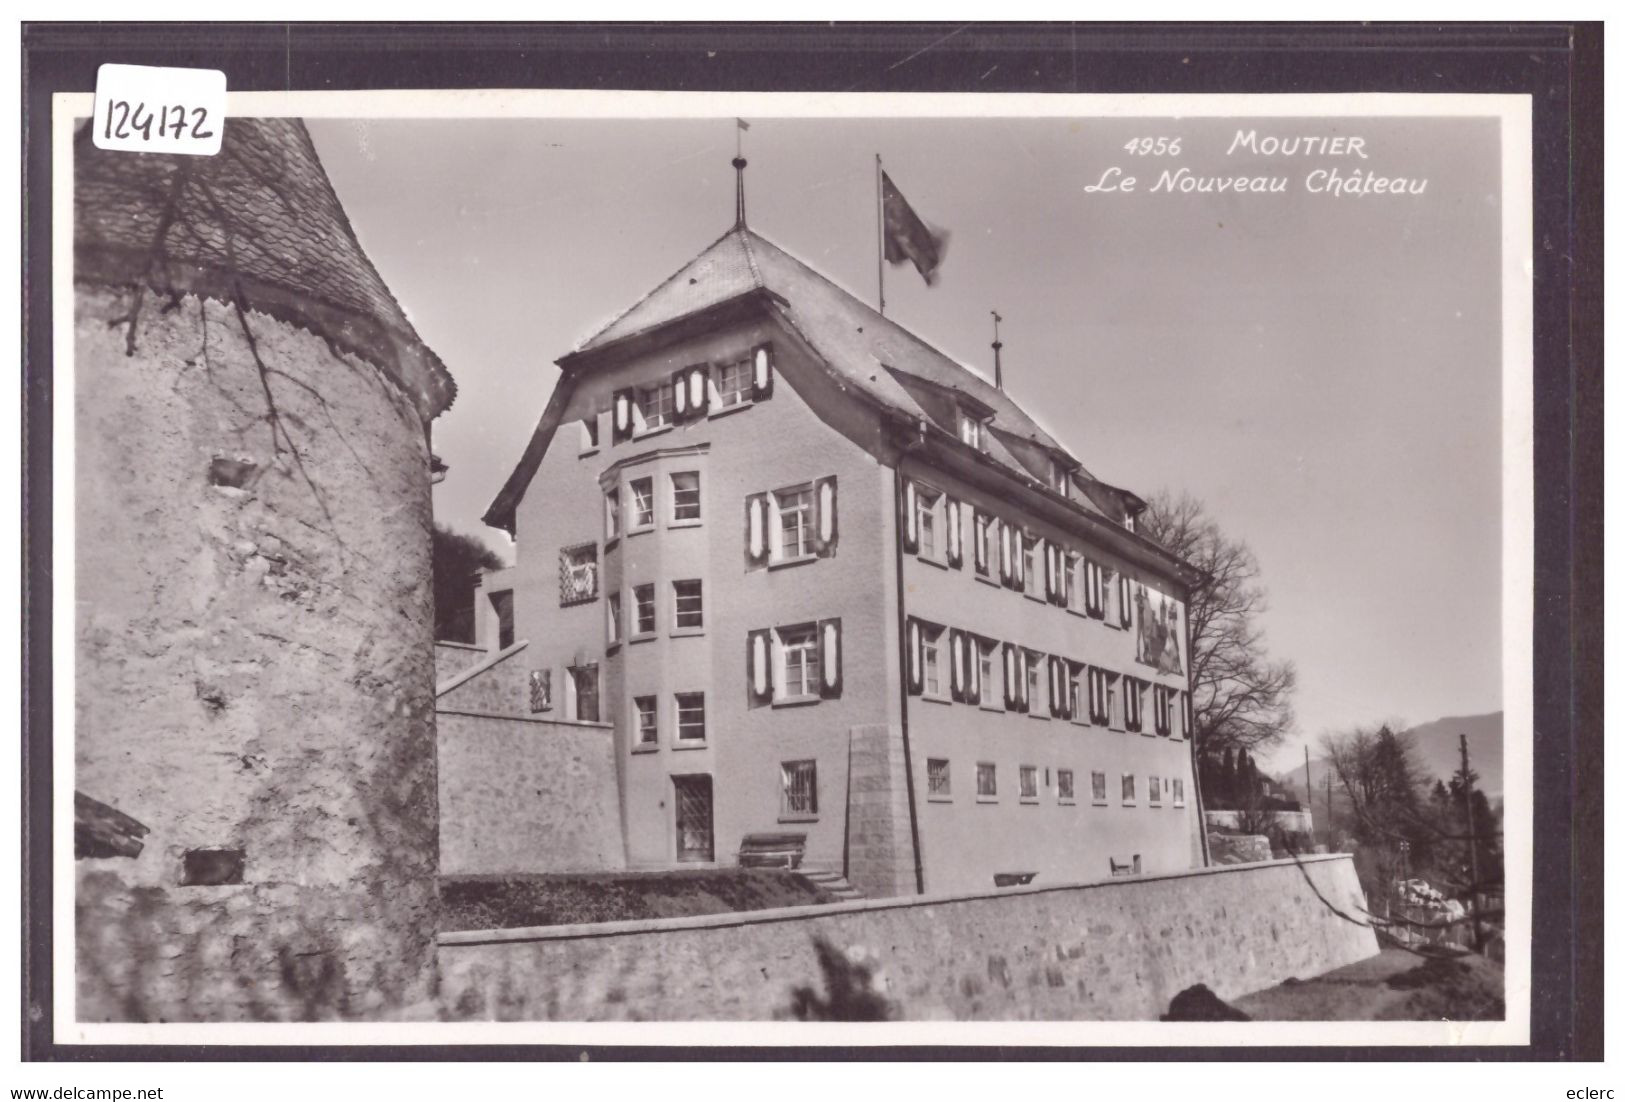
x: 153, y: 109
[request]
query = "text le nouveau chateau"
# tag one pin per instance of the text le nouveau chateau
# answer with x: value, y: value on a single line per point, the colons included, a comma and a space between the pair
x: 1347, y: 177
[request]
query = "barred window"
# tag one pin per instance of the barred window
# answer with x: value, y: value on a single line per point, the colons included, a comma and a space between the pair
x: 578, y: 574
x: 1179, y: 791
x: 1153, y: 789
x: 800, y: 788
x: 987, y: 779
x: 1097, y: 787
x: 937, y: 778
x: 541, y: 690
x: 648, y: 719
x: 685, y: 496
x: 1128, y: 788
x: 691, y: 717
x: 733, y: 383
x: 1029, y: 782
x: 584, y: 686
x: 643, y: 608
x: 1063, y: 784
x: 688, y: 599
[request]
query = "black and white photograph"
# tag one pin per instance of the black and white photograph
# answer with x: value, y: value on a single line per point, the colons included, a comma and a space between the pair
x: 611, y: 567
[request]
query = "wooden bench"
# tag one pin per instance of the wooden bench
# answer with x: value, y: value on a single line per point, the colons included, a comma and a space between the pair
x: 772, y: 851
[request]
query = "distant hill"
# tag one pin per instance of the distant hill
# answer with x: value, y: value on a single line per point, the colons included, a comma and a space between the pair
x: 1437, y: 754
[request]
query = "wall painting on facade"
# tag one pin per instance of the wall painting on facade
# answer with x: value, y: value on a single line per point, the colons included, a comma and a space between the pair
x: 1157, y: 641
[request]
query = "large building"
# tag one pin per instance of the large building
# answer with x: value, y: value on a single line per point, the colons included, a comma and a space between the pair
x: 825, y: 581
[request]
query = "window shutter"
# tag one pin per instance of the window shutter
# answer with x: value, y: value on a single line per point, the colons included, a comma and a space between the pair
x: 956, y: 664
x: 1125, y: 610
x: 973, y: 669
x: 1189, y: 723
x: 622, y: 420
x: 759, y: 667
x: 979, y: 533
x: 829, y: 658
x: 825, y: 529
x: 1018, y: 558
x: 1023, y: 704
x: 679, y: 395
x: 1006, y: 575
x: 757, y: 545
x: 761, y: 372
x: 956, y: 535
x: 1065, y: 600
x: 1010, y: 697
x: 699, y: 390
x: 916, y: 659
x: 911, y: 520
x: 1049, y: 572
x: 1054, y: 684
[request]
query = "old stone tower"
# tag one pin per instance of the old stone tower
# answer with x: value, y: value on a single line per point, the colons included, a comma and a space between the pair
x: 254, y: 736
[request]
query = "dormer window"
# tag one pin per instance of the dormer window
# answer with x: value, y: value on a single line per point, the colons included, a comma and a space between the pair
x: 1058, y: 476
x: 972, y: 431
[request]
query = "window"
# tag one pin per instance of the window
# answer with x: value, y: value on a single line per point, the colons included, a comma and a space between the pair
x: 987, y: 781
x: 798, y: 658
x: 938, y: 781
x: 584, y: 690
x: 1163, y: 703
x: 578, y: 574
x: 685, y: 497
x: 541, y: 690
x: 687, y: 598
x: 1057, y: 475
x: 589, y: 434
x: 612, y: 608
x: 1035, y: 662
x: 1128, y: 788
x: 925, y: 514
x: 502, y: 605
x: 655, y: 403
x: 1094, y: 589
x: 1179, y: 791
x: 1097, y: 787
x: 643, y: 610
x: 1114, y: 713
x: 1031, y: 579
x: 612, y: 513
x: 982, y: 549
x: 1063, y: 786
x: 1153, y: 790
x: 648, y: 712
x: 643, y: 504
x: 1099, y: 699
x: 1029, y: 782
x: 793, y: 529
x: 1074, y: 691
x: 931, y: 660
x: 800, y: 779
x: 971, y: 430
x: 1074, y: 581
x: 690, y: 717
x: 733, y: 384
x: 1132, y: 690
x: 991, y: 670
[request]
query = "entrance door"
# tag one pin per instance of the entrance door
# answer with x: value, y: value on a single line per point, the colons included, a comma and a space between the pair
x: 694, y: 839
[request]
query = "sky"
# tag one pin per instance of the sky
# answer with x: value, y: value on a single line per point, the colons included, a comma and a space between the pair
x: 1321, y: 371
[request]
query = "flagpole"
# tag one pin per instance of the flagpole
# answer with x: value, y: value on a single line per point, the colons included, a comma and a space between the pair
x: 880, y: 236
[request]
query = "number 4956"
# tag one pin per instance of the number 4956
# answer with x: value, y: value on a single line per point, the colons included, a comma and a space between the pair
x: 1153, y: 147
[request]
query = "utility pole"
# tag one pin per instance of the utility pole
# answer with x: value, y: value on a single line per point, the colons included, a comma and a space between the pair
x: 1308, y: 786
x: 1472, y: 841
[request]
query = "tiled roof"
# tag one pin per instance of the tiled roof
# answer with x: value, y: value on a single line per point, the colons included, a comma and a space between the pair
x: 258, y: 224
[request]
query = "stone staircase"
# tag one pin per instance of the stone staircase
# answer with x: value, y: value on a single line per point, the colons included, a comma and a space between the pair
x: 833, y: 883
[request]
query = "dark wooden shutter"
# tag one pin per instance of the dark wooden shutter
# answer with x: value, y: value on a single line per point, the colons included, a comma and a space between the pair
x: 1023, y: 704
x: 911, y: 519
x: 1125, y: 610
x: 956, y: 664
x: 829, y: 658
x: 1010, y: 671
x: 699, y: 390
x: 621, y: 415
x: 973, y: 669
x: 1053, y: 663
x: 979, y: 529
x: 956, y: 534
x: 759, y: 667
x: 916, y: 663
x: 761, y: 372
x: 1018, y: 558
x: 825, y: 527
x: 1006, y: 574
x: 758, y: 543
x: 679, y: 395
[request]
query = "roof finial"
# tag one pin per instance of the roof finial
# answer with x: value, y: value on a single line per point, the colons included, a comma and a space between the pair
x: 998, y: 365
x: 739, y: 172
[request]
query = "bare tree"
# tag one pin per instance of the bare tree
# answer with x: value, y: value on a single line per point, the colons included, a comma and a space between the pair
x: 1240, y: 698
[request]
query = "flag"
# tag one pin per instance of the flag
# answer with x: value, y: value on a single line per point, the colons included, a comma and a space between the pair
x: 743, y: 125
x: 908, y: 238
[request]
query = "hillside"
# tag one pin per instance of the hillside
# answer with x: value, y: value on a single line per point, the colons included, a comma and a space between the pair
x: 1437, y: 755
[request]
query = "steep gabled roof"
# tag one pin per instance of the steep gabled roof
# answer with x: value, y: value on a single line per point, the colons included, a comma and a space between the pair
x: 870, y: 352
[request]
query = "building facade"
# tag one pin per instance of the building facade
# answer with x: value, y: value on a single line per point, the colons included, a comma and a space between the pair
x: 824, y: 581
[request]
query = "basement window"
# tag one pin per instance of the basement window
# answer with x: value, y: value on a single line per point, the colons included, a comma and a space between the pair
x: 938, y: 780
